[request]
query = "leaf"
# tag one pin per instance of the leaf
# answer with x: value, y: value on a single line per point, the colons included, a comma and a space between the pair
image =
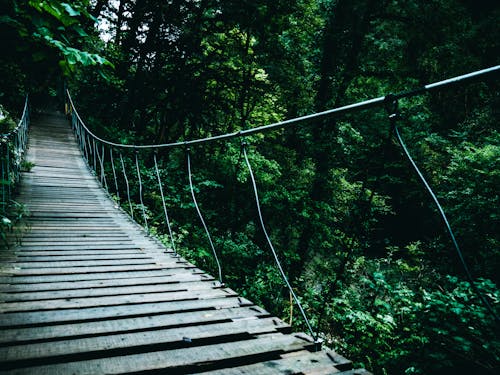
x: 70, y: 10
x: 79, y: 30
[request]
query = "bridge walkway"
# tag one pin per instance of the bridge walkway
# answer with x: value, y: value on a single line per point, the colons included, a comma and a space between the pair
x: 88, y: 292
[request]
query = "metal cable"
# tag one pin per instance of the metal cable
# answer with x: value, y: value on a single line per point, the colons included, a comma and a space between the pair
x: 8, y: 174
x: 94, y: 155
x: 103, y: 171
x: 140, y: 191
x: 331, y: 112
x: 11, y: 164
x: 3, y: 183
x: 278, y: 263
x: 114, y: 172
x: 102, y: 176
x: 201, y: 216
x: 84, y: 145
x: 128, y: 187
x: 393, y: 118
x: 164, y: 205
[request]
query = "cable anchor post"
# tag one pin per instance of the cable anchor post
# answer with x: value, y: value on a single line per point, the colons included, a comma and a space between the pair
x: 392, y: 108
x: 244, y: 144
x: 318, y: 344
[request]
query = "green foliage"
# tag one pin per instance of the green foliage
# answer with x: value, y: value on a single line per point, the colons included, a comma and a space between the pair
x: 43, y: 41
x: 6, y: 122
x: 11, y: 222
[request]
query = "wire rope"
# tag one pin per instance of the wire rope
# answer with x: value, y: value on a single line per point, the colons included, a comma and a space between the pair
x: 201, y: 216
x: 127, y: 185
x: 140, y: 190
x: 269, y: 242
x: 94, y: 154
x: 278, y: 125
x: 101, y: 164
x: 393, y: 118
x: 114, y: 172
x: 164, y: 205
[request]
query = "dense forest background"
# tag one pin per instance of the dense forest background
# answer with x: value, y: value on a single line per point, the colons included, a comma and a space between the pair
x: 359, y: 237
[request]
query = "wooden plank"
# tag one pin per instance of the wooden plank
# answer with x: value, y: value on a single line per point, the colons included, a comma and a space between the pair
x: 127, y: 299
x: 159, y: 339
x: 30, y: 318
x: 83, y: 246
x: 91, y: 276
x: 302, y: 362
x: 28, y: 265
x: 190, y: 359
x: 108, y: 291
x: 59, y: 237
x: 63, y: 256
x: 87, y: 270
x: 174, y: 278
x: 19, y: 336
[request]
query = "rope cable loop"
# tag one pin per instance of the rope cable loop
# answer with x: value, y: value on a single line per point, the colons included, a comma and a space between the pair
x: 167, y: 219
x: 127, y: 186
x: 273, y: 251
x: 393, y: 117
x: 140, y: 190
x: 188, y: 157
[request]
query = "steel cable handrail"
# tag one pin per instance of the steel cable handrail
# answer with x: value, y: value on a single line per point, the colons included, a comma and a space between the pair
x: 11, y: 160
x: 278, y: 125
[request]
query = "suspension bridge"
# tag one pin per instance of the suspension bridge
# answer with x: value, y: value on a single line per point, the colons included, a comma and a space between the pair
x: 88, y: 291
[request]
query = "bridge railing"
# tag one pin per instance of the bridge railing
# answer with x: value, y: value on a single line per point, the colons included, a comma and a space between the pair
x: 13, y: 147
x: 106, y: 160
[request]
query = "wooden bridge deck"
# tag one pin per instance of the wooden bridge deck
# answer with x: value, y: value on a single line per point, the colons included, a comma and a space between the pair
x: 88, y: 293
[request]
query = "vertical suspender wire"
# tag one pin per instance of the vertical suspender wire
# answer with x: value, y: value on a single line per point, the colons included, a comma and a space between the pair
x: 87, y: 152
x: 164, y: 205
x: 201, y: 216
x: 104, y: 183
x: 80, y: 141
x: 393, y: 118
x: 128, y: 187
x: 19, y: 155
x: 8, y: 173
x: 261, y: 219
x: 95, y: 155
x: 79, y: 132
x: 4, y: 201
x: 87, y: 148
x: 114, y: 172
x: 140, y: 190
x: 98, y: 175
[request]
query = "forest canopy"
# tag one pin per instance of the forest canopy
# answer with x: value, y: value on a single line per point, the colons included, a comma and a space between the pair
x: 358, y: 235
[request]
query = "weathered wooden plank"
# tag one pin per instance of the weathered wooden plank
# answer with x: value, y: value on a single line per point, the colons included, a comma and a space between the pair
x: 82, y: 254
x: 66, y: 237
x: 95, y: 313
x: 92, y: 276
x: 33, y: 264
x: 127, y: 299
x: 181, y: 319
x: 82, y: 246
x: 159, y: 339
x: 302, y: 362
x: 82, y: 270
x: 190, y: 359
x: 108, y: 291
x: 175, y: 278
x: 63, y: 256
